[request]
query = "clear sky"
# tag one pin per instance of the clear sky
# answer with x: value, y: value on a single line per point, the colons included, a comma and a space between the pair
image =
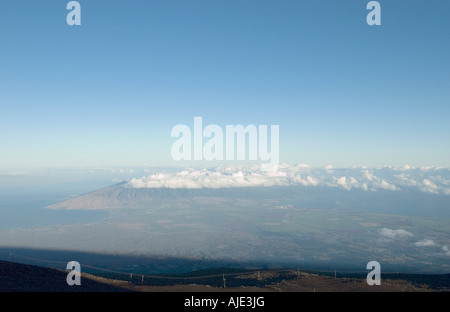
x: 108, y: 92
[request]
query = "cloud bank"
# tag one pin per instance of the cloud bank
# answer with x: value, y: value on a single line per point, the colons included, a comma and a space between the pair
x: 429, y: 179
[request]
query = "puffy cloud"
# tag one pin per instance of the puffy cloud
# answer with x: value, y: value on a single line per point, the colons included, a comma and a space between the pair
x: 446, y: 250
x: 367, y: 181
x: 426, y: 243
x: 364, y: 186
x: 342, y: 181
x: 311, y: 181
x: 346, y: 183
x: 406, y: 179
x: 405, y: 167
x: 383, y: 184
x: 368, y: 175
x: 388, y: 233
x: 429, y: 186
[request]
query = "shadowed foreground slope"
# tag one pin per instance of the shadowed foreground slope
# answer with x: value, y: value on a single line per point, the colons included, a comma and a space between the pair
x: 16, y: 277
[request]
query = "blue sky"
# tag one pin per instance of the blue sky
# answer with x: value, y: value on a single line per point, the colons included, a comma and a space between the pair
x: 107, y: 93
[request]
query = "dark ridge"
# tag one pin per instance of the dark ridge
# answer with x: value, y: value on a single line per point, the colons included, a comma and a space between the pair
x: 17, y: 277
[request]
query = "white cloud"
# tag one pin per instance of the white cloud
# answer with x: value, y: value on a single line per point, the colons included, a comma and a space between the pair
x: 346, y: 183
x: 367, y: 181
x: 405, y: 167
x: 342, y: 181
x: 395, y: 233
x: 368, y: 175
x: 383, y: 184
x: 405, y: 179
x: 446, y: 250
x: 429, y: 186
x: 425, y: 243
x: 364, y: 186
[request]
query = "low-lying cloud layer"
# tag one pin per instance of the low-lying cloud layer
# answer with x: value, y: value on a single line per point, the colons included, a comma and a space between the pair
x: 427, y: 179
